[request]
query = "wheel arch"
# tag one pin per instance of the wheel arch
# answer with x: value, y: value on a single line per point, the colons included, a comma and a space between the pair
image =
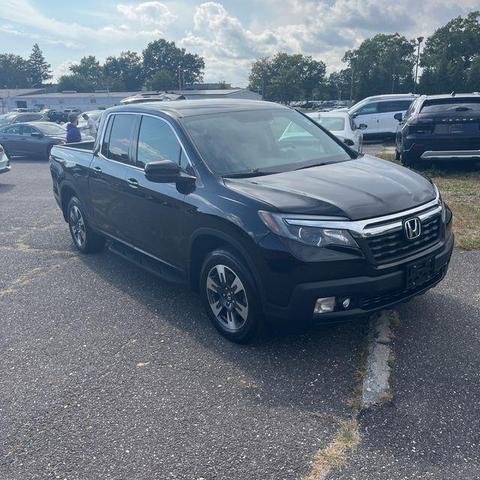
x: 66, y: 193
x: 207, y: 240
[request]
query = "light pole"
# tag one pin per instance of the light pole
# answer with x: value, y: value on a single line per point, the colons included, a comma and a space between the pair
x: 419, y: 40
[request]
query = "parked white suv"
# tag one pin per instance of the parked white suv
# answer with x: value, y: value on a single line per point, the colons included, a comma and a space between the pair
x: 378, y: 112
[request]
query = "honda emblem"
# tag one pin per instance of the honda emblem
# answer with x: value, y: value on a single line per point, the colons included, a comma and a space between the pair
x: 413, y: 228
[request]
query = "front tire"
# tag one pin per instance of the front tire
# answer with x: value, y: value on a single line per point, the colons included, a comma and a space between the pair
x: 84, y: 238
x: 230, y: 299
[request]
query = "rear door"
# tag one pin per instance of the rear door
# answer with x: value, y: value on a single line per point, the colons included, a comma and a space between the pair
x: 108, y: 171
x: 154, y: 213
x: 386, y: 112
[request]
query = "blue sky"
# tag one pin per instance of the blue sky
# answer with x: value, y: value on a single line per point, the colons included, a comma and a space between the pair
x: 229, y: 34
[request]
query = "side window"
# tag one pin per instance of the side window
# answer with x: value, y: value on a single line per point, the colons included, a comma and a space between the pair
x: 13, y: 130
x: 394, y: 106
x: 106, y: 137
x: 156, y: 141
x: 120, y: 138
x: 368, y: 109
x: 27, y: 130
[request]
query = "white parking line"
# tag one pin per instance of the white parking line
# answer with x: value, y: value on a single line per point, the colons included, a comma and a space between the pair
x: 376, y: 386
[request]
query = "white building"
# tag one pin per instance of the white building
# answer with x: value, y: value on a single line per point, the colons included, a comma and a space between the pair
x: 38, y: 99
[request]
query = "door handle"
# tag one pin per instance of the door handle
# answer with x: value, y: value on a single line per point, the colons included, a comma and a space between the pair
x: 97, y: 169
x: 133, y: 183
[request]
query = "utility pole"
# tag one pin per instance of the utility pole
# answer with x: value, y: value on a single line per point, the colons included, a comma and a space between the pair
x: 419, y: 40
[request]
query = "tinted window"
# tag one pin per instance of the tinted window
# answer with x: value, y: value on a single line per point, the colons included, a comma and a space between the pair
x: 27, y: 130
x: 13, y: 130
x: 261, y: 140
x: 28, y: 118
x: 106, y: 137
x: 453, y: 104
x: 367, y: 109
x: 156, y: 141
x: 394, y: 106
x: 120, y: 138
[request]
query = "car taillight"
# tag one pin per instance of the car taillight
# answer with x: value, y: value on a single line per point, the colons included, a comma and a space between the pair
x: 421, y: 129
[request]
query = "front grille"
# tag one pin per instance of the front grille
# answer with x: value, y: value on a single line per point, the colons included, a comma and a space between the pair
x: 391, y: 246
x: 368, y: 303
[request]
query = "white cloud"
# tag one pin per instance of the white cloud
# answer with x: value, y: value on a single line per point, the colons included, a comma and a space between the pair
x: 63, y: 69
x: 148, y: 13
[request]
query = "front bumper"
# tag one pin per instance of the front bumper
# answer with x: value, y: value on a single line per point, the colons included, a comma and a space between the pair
x: 451, y: 154
x: 367, y: 294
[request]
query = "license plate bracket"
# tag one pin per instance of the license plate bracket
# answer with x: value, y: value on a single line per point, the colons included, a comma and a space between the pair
x: 419, y: 273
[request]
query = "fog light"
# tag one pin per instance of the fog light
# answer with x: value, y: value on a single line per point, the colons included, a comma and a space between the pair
x: 324, y: 305
x: 346, y: 303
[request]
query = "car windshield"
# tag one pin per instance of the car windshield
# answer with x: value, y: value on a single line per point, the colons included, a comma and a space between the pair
x: 334, y: 124
x: 51, y: 129
x: 453, y: 104
x: 261, y: 141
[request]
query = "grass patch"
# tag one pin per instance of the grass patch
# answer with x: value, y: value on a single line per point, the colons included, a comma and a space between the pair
x: 460, y: 188
x: 336, y: 453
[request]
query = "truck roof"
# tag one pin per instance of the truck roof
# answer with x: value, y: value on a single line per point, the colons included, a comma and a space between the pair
x: 190, y: 108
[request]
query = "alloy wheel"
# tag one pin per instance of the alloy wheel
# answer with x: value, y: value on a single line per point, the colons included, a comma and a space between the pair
x: 227, y: 297
x: 77, y: 224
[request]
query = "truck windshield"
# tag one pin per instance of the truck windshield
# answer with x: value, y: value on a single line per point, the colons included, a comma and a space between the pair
x: 261, y: 141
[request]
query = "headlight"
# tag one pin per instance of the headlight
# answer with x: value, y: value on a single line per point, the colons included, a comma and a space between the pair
x: 300, y: 230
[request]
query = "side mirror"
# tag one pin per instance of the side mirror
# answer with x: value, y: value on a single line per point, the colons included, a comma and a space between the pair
x: 166, y: 171
x: 37, y: 134
x: 363, y: 126
x: 398, y: 116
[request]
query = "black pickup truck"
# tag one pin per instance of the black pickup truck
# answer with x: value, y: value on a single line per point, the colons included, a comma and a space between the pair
x: 254, y: 205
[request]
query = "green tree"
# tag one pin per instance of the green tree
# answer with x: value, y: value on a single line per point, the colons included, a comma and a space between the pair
x: 13, y: 71
x: 163, y: 55
x: 382, y: 64
x: 339, y: 84
x: 449, y: 59
x: 87, y: 76
x: 287, y: 77
x: 161, y: 80
x: 124, y: 72
x: 38, y: 69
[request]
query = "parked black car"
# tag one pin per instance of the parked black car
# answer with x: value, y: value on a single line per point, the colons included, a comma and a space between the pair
x: 31, y: 139
x: 439, y: 127
x: 213, y: 194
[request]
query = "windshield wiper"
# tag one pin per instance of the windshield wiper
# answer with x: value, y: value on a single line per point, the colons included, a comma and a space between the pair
x: 256, y: 172
x: 313, y: 165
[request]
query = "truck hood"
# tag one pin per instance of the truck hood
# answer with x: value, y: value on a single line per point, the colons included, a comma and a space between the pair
x: 362, y: 188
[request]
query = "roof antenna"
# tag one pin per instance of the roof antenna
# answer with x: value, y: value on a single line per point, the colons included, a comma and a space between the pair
x: 453, y: 94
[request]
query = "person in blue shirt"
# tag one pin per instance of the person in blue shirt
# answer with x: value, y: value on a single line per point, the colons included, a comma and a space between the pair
x: 73, y: 132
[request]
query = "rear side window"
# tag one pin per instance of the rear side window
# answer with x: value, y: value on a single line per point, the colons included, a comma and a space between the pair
x: 27, y: 130
x: 394, y: 106
x: 453, y: 104
x: 156, y: 141
x: 118, y: 146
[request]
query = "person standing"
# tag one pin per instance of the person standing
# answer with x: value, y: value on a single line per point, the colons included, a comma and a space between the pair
x: 91, y: 125
x: 73, y: 132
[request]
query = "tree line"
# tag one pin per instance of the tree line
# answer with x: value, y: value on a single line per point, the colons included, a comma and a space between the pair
x: 161, y: 66
x: 384, y: 63
x: 450, y: 61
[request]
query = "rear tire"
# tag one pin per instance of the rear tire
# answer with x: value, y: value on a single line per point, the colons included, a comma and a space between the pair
x: 84, y: 238
x: 408, y: 160
x: 229, y: 296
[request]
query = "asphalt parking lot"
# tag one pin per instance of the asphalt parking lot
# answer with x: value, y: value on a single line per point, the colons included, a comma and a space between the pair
x: 110, y: 373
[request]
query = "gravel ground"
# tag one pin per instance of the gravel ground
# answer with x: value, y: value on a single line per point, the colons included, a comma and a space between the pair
x: 110, y: 373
